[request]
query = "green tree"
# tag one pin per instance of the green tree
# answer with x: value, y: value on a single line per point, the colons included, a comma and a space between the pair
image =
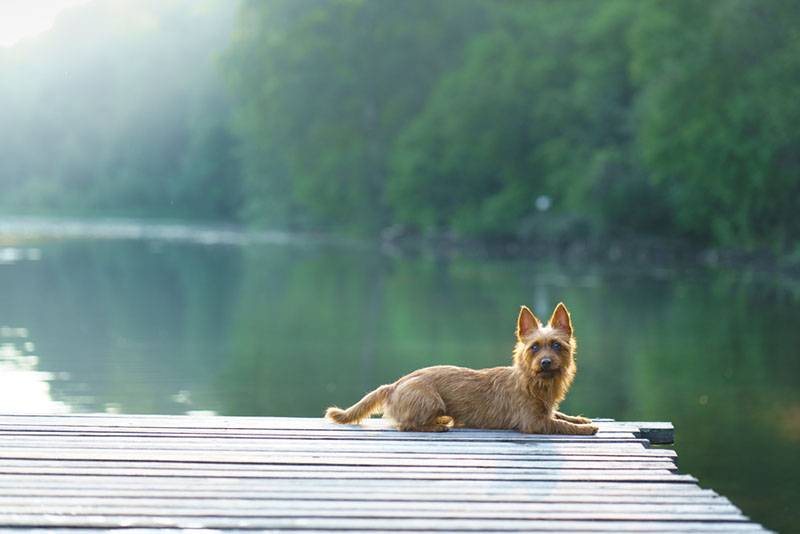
x: 541, y: 106
x: 719, y: 102
x: 322, y: 89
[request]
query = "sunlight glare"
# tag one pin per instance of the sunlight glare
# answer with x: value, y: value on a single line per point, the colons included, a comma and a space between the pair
x: 21, y: 19
x: 23, y: 389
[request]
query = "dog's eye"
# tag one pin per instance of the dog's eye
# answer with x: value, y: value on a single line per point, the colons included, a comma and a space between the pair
x: 535, y: 347
x: 555, y: 345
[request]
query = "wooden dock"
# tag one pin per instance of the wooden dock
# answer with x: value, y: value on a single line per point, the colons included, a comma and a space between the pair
x: 83, y: 472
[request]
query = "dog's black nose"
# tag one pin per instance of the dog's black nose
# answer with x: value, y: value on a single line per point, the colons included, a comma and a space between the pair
x: 546, y: 363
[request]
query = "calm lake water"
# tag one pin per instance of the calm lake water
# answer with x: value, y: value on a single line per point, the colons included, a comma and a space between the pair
x: 190, y: 321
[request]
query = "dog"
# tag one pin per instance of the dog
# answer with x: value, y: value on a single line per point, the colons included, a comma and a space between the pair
x: 524, y: 396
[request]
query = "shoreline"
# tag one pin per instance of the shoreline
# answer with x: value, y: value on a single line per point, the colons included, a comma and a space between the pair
x: 639, y: 251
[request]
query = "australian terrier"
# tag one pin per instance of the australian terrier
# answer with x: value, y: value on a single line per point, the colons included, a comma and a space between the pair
x: 524, y: 396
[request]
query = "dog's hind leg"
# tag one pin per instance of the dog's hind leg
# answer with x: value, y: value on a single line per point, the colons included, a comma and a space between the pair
x: 417, y: 407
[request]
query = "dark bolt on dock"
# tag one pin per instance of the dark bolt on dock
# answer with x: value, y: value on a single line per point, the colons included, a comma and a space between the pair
x: 238, y: 473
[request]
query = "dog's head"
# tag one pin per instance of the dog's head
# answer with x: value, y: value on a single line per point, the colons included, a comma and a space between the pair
x: 545, y: 352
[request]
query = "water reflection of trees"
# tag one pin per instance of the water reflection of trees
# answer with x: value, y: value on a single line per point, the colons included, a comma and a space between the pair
x: 132, y: 323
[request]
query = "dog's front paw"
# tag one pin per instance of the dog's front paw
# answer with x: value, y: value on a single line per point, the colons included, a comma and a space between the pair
x: 582, y: 420
x: 591, y: 430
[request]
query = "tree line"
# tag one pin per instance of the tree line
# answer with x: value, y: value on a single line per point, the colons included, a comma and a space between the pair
x: 480, y: 119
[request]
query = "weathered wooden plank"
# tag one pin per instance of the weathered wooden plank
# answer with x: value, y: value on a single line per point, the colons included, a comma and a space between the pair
x: 321, y: 443
x: 260, y: 422
x: 235, y: 469
x: 655, y: 432
x: 367, y: 437
x: 154, y: 513
x: 353, y: 473
x: 195, y: 421
x: 289, y: 495
x: 151, y: 423
x: 386, y: 524
x: 243, y: 423
x: 357, y: 508
x: 618, y: 430
x: 378, y: 435
x: 216, y: 421
x: 352, y: 445
x: 411, y: 486
x: 469, y: 453
x: 214, y: 457
x: 574, y: 526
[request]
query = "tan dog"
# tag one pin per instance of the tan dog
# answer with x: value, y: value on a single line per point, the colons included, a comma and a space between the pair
x: 523, y: 397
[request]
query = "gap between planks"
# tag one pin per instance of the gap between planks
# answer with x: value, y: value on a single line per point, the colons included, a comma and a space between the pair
x: 657, y: 432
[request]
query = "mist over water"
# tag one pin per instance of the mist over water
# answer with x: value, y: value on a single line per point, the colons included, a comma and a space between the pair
x: 179, y: 326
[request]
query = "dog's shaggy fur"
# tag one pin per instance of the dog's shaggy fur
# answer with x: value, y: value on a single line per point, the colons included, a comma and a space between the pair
x: 524, y: 396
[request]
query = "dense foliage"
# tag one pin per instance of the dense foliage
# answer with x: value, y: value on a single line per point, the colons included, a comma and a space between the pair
x: 324, y: 90
x: 496, y: 120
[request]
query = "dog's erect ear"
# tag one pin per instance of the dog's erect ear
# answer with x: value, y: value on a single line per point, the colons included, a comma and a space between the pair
x: 561, y: 319
x: 526, y: 322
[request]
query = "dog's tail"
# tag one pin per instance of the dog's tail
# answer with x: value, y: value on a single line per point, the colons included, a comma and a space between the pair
x: 370, y: 404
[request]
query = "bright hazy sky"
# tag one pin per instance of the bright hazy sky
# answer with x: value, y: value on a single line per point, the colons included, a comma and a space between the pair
x: 20, y: 19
